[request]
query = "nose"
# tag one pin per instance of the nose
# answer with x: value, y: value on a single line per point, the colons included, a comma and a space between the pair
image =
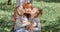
x: 28, y: 11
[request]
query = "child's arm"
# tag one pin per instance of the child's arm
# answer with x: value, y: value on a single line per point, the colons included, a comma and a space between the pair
x: 38, y: 27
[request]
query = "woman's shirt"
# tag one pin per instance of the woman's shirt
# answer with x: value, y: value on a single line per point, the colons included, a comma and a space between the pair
x: 19, y: 24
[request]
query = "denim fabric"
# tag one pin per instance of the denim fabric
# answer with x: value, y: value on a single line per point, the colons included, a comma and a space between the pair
x: 21, y: 30
x: 24, y: 30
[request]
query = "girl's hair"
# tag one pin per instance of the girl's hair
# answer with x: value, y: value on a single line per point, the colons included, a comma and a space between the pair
x: 27, y: 5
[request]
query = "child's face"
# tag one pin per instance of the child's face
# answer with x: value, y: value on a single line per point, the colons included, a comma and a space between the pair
x: 34, y: 13
x: 28, y: 10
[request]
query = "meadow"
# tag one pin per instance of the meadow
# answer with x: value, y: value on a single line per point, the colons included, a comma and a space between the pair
x: 50, y: 19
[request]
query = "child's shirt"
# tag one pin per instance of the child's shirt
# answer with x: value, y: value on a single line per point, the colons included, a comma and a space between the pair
x: 38, y: 26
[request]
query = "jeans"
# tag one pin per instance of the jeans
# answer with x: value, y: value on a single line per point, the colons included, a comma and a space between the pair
x: 21, y: 30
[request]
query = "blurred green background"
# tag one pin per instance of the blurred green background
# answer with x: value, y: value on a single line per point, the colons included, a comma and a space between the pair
x: 50, y: 20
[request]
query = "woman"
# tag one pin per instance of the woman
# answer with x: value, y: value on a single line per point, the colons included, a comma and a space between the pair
x: 17, y: 28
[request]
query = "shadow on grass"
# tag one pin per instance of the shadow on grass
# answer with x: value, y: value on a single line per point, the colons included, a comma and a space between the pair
x: 4, y: 25
x: 54, y: 27
x: 56, y: 1
x: 5, y: 7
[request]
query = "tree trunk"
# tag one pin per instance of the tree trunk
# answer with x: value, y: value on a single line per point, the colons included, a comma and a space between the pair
x: 9, y: 2
x: 21, y: 2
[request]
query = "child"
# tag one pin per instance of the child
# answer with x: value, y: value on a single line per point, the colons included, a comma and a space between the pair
x: 34, y: 19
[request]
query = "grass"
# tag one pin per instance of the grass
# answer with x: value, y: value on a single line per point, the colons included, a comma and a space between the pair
x: 49, y: 20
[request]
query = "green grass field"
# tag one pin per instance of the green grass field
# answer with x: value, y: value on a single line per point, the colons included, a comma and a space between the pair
x: 50, y: 20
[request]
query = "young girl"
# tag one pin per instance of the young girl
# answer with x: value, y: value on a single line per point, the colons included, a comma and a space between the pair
x: 34, y: 19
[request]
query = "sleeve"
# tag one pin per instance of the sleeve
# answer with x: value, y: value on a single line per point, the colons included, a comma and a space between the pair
x: 18, y: 22
x: 38, y: 27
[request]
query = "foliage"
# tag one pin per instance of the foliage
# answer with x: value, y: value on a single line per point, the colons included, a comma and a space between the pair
x: 50, y: 20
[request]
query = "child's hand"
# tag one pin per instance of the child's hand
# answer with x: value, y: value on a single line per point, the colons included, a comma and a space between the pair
x: 34, y: 24
x: 31, y: 26
x: 26, y: 22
